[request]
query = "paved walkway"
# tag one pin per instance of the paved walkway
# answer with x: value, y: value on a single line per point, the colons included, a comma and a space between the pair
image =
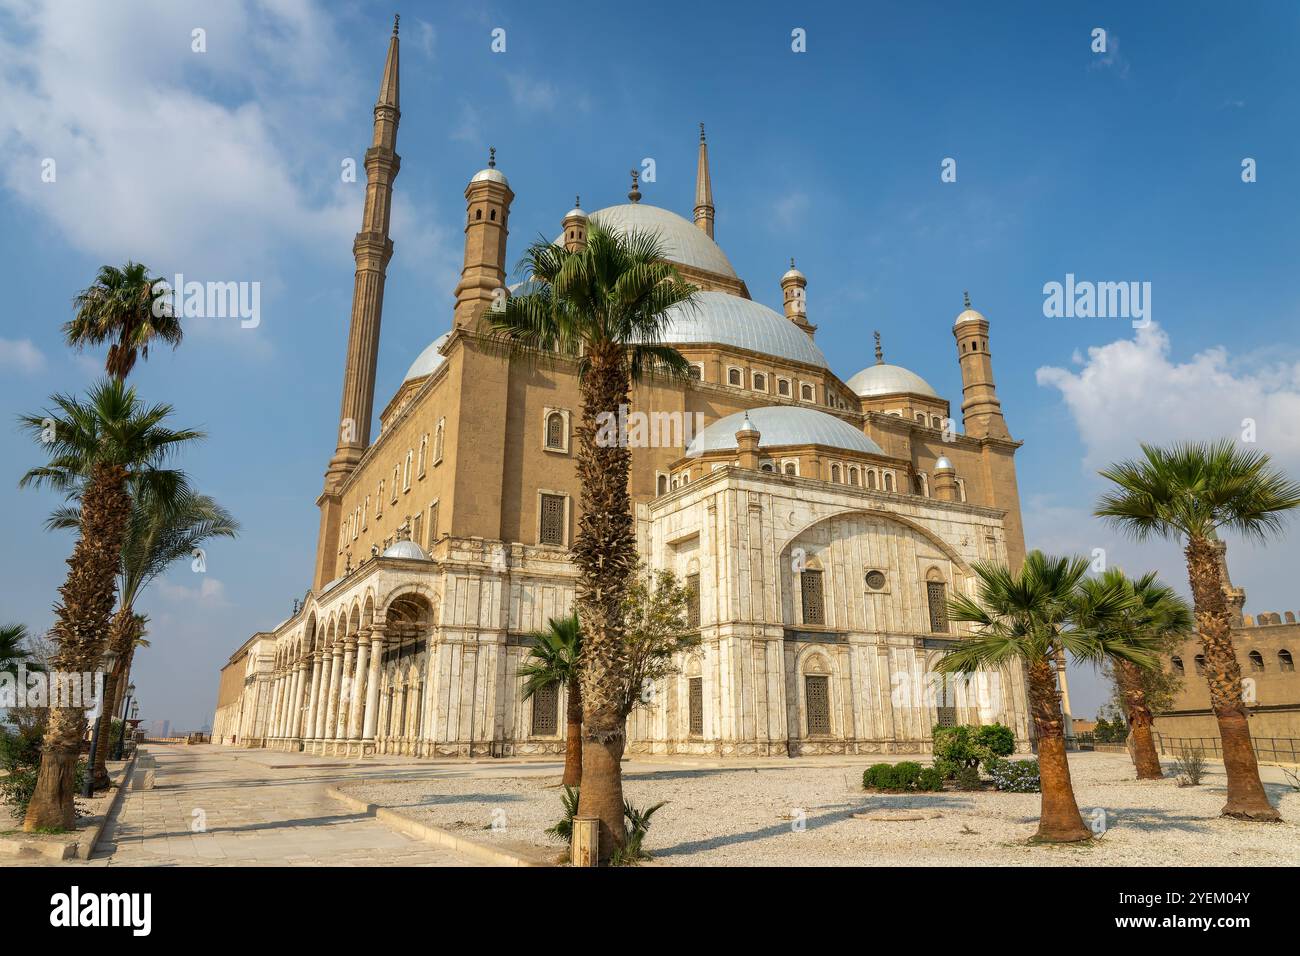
x: 213, y: 806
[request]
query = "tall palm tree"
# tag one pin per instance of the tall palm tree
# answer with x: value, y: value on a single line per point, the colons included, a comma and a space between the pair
x: 13, y: 648
x: 162, y: 531
x: 98, y: 450
x: 1155, y: 618
x: 553, y: 662
x: 607, y: 304
x: 1026, y: 617
x: 121, y: 307
x: 1187, y: 493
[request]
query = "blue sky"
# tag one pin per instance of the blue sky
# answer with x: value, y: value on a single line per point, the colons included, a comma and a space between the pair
x: 225, y: 165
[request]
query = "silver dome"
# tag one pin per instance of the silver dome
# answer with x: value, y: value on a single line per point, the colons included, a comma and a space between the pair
x: 885, y: 379
x: 683, y: 241
x: 490, y: 175
x: 428, y: 361
x: 943, y: 464
x: 969, y: 315
x: 780, y: 425
x: 727, y: 319
x: 406, y: 549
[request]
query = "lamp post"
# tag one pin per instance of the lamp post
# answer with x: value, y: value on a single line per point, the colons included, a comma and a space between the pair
x: 126, y: 707
x: 108, y: 665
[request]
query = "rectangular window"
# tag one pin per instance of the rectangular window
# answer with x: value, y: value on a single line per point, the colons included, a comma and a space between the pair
x: 397, y: 474
x: 938, y: 600
x: 695, y: 706
x: 433, y: 523
x: 817, y: 700
x: 692, y: 600
x: 416, y: 528
x: 546, y: 708
x: 365, y: 513
x: 810, y: 587
x: 552, y: 530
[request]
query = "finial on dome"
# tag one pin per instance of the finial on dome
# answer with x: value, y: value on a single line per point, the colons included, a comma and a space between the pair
x: 634, y: 194
x: 792, y: 262
x: 966, y: 299
x: 880, y: 353
x: 577, y: 202
x: 701, y: 132
x: 397, y: 17
x: 492, y: 157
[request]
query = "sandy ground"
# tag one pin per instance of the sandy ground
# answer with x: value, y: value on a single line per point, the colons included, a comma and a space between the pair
x: 742, y: 815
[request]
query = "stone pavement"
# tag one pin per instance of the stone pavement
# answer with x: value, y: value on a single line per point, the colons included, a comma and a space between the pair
x: 214, y: 806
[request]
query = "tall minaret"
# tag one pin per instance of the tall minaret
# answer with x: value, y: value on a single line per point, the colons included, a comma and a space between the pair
x: 794, y: 289
x: 980, y: 409
x: 372, y: 249
x: 487, y: 213
x: 703, y: 189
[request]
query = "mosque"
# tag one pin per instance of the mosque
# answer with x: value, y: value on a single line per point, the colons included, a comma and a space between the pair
x: 819, y: 523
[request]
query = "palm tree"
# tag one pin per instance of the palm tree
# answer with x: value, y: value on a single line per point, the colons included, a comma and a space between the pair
x: 1187, y: 493
x: 99, y: 449
x: 13, y: 648
x: 553, y: 661
x: 1027, y: 617
x: 607, y: 304
x: 121, y: 306
x: 162, y: 531
x: 1155, y: 618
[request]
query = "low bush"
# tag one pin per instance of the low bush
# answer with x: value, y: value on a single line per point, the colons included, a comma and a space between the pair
x: 967, y: 778
x: 968, y: 746
x: 1189, y: 765
x: 998, y: 738
x: 1015, y: 776
x: 902, y: 777
x: 929, y: 779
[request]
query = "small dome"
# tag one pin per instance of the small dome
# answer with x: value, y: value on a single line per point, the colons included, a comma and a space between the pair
x: 490, y: 175
x: 406, y: 549
x: 969, y: 315
x: 782, y: 425
x: 682, y: 240
x: 792, y: 273
x: 883, y: 379
x: 943, y: 464
x: 428, y: 361
x: 726, y: 319
x: 746, y: 425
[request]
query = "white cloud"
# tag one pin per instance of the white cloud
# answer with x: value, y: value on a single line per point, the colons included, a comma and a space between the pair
x: 22, y: 355
x: 535, y: 96
x: 468, y: 129
x: 209, y: 593
x: 791, y: 210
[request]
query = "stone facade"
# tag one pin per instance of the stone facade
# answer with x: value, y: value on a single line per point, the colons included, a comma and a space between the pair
x: 820, y: 563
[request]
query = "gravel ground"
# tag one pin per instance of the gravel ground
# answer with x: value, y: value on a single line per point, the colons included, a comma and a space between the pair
x: 731, y: 816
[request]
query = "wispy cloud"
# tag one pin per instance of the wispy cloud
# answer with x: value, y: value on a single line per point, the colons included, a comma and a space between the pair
x: 1112, y: 59
x: 21, y: 355
x: 533, y: 95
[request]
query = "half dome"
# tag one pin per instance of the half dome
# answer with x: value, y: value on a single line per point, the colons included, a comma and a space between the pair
x: 406, y: 549
x: 781, y: 425
x: 883, y: 379
x: 428, y: 361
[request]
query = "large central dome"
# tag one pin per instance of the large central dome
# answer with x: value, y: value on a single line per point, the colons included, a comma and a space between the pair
x: 683, y: 241
x: 784, y: 425
x: 725, y: 319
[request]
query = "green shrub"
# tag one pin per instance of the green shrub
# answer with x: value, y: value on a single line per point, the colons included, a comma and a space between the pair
x: 638, y: 822
x: 968, y: 778
x: 564, y: 829
x: 929, y: 779
x: 957, y: 747
x: 998, y: 738
x: 1015, y: 776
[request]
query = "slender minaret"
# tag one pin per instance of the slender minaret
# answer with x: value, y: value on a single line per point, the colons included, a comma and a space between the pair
x: 372, y: 249
x: 794, y: 288
x: 575, y: 227
x: 487, y: 214
x: 980, y: 409
x: 703, y: 189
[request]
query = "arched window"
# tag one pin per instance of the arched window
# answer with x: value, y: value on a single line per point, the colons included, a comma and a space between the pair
x: 424, y: 455
x: 835, y: 474
x: 661, y: 484
x: 555, y: 431
x: 1178, y: 665
x: 936, y: 594
x: 937, y: 422
x: 1257, y: 662
x: 918, y: 483
x: 546, y: 706
x: 920, y: 417
x: 810, y: 590
x: 889, y: 481
x: 1284, y: 660
x: 493, y: 215
x: 806, y: 393
x: 697, y: 373
x: 733, y: 376
x: 693, y: 600
x: 438, y: 434
x: 768, y: 467
x: 791, y: 468
x: 760, y: 382
x: 871, y: 480
x: 853, y: 474
x: 406, y: 470
x: 783, y: 387
x: 1200, y: 664
x: 478, y: 213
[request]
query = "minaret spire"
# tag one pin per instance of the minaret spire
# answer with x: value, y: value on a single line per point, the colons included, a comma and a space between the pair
x: 703, y: 189
x: 372, y: 249
x: 880, y: 353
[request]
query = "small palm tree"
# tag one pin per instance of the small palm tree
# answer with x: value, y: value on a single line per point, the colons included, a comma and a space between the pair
x: 607, y: 303
x: 553, y: 662
x: 98, y: 449
x: 1155, y: 619
x: 1187, y: 493
x: 121, y: 307
x: 1026, y: 617
x: 13, y: 648
x: 162, y: 531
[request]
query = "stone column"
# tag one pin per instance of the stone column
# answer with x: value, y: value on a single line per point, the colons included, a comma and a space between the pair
x: 359, y: 689
x: 346, y: 690
x: 372, y: 684
x: 313, y: 696
x: 332, y: 692
x: 277, y: 707
x: 299, y: 686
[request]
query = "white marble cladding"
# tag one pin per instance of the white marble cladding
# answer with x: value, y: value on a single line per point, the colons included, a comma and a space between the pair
x: 462, y: 615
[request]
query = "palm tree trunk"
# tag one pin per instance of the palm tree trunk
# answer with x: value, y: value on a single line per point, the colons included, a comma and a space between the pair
x: 1059, y: 820
x: 80, y: 630
x: 1246, y: 797
x: 1145, y: 759
x: 605, y: 553
x: 573, y: 737
x: 121, y: 639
